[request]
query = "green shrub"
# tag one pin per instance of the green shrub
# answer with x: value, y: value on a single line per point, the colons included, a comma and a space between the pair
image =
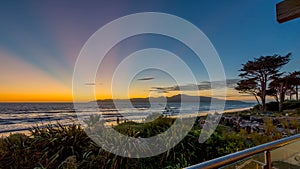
x: 273, y: 106
x: 57, y: 146
x: 291, y: 104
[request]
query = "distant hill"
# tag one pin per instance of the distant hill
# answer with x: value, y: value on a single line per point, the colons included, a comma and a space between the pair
x: 175, y: 98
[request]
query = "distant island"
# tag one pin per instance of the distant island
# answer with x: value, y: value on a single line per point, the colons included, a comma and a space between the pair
x: 172, y: 99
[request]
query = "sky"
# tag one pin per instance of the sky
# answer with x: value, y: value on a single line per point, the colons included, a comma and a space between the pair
x: 41, y: 41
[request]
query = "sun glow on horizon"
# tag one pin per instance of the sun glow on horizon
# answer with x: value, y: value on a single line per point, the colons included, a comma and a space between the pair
x: 23, y: 82
x: 33, y: 85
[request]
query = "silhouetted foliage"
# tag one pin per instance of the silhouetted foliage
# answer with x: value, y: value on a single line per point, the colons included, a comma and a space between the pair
x: 258, y: 73
x: 280, y: 86
x: 295, y: 82
x: 287, y: 105
x: 249, y: 86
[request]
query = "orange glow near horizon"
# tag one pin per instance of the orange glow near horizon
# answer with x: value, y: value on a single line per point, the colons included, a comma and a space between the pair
x: 66, y: 96
x: 23, y: 82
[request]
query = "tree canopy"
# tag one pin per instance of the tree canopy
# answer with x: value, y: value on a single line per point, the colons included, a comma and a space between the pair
x: 295, y: 82
x: 280, y: 86
x: 258, y: 73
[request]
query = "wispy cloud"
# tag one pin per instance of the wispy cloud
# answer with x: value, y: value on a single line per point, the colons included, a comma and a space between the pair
x: 205, y: 85
x: 230, y: 83
x: 146, y: 78
x: 90, y: 84
x: 158, y: 91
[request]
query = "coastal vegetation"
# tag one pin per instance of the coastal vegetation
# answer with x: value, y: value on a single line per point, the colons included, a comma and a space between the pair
x: 57, y: 146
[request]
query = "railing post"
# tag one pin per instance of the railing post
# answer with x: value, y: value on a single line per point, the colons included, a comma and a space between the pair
x: 268, y: 160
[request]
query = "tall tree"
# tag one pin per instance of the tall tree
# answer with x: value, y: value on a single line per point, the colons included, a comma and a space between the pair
x: 262, y: 70
x: 280, y: 86
x: 295, y: 82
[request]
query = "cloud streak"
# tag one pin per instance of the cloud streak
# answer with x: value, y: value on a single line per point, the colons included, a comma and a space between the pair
x: 90, y: 84
x: 205, y: 85
x: 146, y: 78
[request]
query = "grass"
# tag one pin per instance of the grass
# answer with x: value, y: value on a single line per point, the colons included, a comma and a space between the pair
x: 69, y: 147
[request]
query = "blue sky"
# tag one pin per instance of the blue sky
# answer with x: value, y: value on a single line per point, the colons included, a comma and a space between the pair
x: 42, y: 39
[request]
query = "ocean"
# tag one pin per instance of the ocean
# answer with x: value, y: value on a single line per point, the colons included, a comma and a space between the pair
x: 18, y: 117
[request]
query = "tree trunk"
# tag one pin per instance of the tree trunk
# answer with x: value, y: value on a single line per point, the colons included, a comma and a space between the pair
x: 257, y: 99
x: 263, y: 93
x: 281, y: 100
x: 296, y: 92
x: 259, y: 105
x: 282, y: 92
x: 276, y: 98
x: 263, y: 102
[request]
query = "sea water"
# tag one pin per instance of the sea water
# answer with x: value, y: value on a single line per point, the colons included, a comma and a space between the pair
x: 15, y: 117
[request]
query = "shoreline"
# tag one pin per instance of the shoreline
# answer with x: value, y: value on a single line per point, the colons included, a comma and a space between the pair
x: 26, y: 130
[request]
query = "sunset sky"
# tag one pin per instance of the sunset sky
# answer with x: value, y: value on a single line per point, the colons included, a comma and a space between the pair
x: 41, y: 40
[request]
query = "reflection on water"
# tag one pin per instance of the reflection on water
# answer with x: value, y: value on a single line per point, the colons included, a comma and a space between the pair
x: 22, y: 116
